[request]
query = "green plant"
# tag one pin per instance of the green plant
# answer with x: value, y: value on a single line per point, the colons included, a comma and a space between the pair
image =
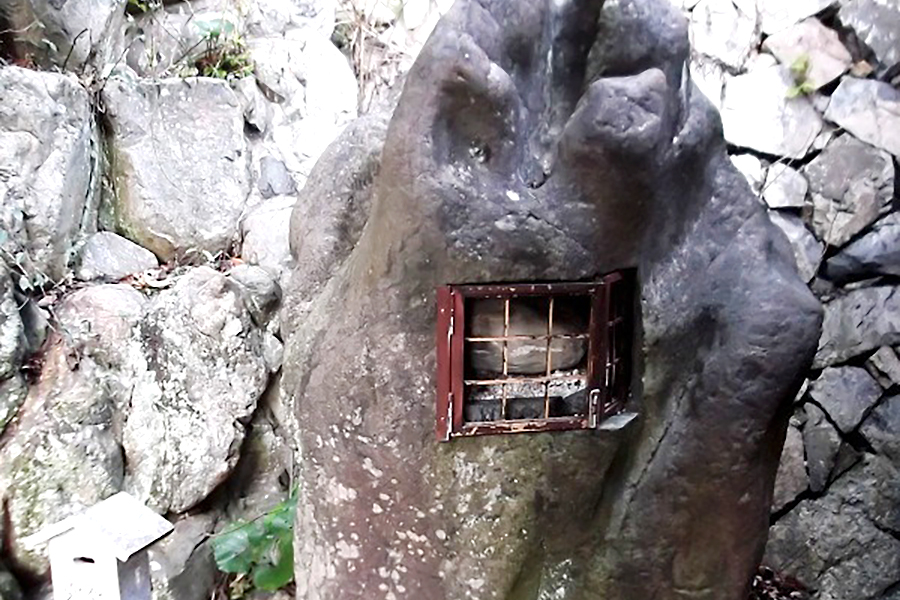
x: 260, y: 552
x: 135, y: 7
x: 800, y: 72
x: 225, y: 54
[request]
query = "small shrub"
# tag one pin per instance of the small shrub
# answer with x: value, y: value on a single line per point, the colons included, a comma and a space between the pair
x: 800, y: 72
x: 259, y: 552
x: 225, y: 54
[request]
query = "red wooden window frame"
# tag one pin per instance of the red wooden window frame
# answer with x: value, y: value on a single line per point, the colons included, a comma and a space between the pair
x: 610, y: 332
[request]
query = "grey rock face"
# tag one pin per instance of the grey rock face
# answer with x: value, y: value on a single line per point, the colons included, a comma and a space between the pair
x: 884, y: 365
x: 63, y: 456
x: 186, y: 566
x: 12, y: 395
x: 82, y: 31
x: 791, y: 479
x: 852, y: 184
x: 259, y: 289
x: 180, y: 163
x: 719, y: 28
x: 332, y: 209
x: 775, y: 15
x: 828, y: 59
x: 47, y: 168
x: 876, y: 253
x: 202, y: 376
x: 265, y: 233
x: 860, y: 321
x: 882, y: 428
x: 876, y: 22
x: 757, y: 114
x: 171, y: 380
x: 751, y: 168
x: 784, y: 187
x: 846, y: 393
x: 110, y: 257
x: 316, y: 92
x: 274, y: 178
x: 290, y: 18
x: 838, y: 543
x: 822, y: 443
x: 499, y: 166
x: 808, y: 250
x: 868, y: 109
x: 709, y: 77
x: 12, y: 334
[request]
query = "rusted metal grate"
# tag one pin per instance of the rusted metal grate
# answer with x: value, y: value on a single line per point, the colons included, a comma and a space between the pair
x: 532, y: 357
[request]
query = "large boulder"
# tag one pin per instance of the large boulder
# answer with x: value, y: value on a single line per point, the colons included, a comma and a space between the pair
x: 758, y: 112
x: 515, y: 155
x: 49, y: 175
x: 196, y: 386
x: 876, y: 253
x: 868, y: 109
x: 722, y: 30
x: 857, y: 322
x: 846, y: 393
x: 63, y: 455
x: 108, y: 256
x: 180, y: 164
x: 882, y: 429
x: 810, y: 41
x: 852, y: 184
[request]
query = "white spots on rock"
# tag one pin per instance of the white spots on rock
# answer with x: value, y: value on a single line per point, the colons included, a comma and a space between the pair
x: 476, y: 584
x: 338, y: 493
x: 514, y: 196
x: 441, y: 534
x: 506, y: 223
x: 376, y: 508
x: 347, y: 551
x: 371, y: 469
x: 491, y: 497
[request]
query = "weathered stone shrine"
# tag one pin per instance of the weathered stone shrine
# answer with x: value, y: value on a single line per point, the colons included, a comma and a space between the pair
x: 538, y: 142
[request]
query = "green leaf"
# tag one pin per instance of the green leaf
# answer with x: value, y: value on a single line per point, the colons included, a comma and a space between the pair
x: 800, y: 67
x: 214, y: 28
x: 278, y: 569
x: 262, y: 548
x: 232, y: 551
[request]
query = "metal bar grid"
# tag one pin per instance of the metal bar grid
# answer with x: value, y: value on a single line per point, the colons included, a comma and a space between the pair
x: 607, y: 369
x: 505, y: 355
x: 549, y: 357
x: 530, y: 338
x: 545, y: 380
x: 527, y: 379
